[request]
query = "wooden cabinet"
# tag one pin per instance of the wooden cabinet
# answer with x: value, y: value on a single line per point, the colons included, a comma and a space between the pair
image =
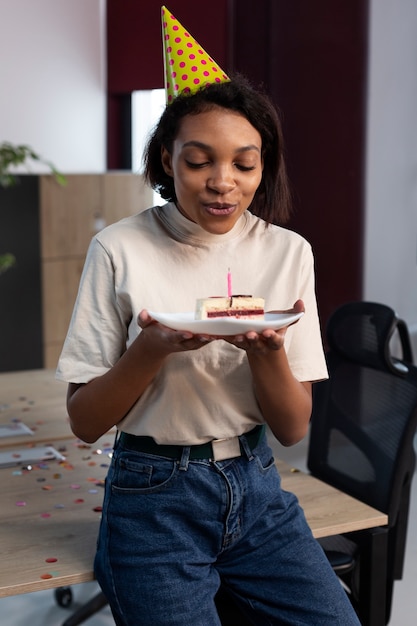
x: 37, y: 296
x: 69, y: 217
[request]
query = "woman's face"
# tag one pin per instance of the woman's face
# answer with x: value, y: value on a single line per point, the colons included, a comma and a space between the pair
x: 216, y: 164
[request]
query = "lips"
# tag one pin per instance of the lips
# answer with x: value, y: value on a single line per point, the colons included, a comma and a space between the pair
x: 217, y: 208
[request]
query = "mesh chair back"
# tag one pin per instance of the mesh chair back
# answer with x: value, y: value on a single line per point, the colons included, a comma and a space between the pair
x: 365, y: 416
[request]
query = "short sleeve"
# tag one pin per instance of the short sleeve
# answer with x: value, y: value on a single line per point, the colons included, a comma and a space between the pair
x: 98, y: 328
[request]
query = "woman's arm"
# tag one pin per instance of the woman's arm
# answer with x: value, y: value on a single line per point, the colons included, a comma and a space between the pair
x: 98, y: 405
x: 285, y: 402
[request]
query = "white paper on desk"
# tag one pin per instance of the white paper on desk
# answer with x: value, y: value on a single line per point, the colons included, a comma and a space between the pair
x: 14, y: 429
x: 28, y: 456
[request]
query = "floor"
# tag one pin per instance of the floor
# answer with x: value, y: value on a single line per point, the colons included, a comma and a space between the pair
x: 41, y: 609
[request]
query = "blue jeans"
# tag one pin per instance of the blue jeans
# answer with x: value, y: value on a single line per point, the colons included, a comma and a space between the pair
x: 173, y: 531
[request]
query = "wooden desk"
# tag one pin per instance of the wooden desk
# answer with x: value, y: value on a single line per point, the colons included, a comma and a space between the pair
x: 52, y: 512
x: 35, y: 398
x: 49, y: 515
x: 34, y: 528
x: 328, y: 510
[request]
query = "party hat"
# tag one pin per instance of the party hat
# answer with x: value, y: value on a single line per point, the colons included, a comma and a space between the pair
x: 187, y: 65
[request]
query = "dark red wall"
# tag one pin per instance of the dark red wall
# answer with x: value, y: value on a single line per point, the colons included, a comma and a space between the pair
x: 134, y: 42
x: 312, y: 56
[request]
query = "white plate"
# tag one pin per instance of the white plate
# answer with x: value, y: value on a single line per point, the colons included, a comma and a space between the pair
x: 221, y: 325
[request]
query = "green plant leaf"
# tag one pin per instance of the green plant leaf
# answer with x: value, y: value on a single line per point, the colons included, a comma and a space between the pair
x: 14, y: 155
x: 6, y: 261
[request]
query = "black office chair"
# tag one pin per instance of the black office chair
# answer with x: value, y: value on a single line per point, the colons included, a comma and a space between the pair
x: 361, y: 440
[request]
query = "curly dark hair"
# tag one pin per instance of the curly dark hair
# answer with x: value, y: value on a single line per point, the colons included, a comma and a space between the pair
x: 272, y: 200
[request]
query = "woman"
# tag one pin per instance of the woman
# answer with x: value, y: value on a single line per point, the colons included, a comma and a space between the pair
x: 179, y: 519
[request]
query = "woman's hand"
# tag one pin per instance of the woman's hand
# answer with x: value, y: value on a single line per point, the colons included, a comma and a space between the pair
x: 268, y: 339
x: 165, y: 340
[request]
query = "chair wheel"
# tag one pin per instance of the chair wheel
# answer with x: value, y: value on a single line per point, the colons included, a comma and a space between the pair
x: 63, y: 596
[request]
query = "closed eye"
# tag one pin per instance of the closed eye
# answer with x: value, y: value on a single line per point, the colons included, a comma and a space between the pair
x: 196, y: 166
x: 245, y: 168
x: 242, y: 168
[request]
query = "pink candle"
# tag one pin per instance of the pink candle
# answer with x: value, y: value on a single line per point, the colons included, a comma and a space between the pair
x: 229, y: 284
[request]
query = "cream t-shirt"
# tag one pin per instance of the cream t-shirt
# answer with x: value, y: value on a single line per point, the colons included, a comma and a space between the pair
x: 160, y: 261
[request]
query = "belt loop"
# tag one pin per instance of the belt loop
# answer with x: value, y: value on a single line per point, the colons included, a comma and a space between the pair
x: 116, y: 439
x: 185, y: 457
x: 246, y: 448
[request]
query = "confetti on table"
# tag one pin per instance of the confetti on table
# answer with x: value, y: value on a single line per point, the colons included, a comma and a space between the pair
x: 83, y: 446
x: 66, y: 465
x: 51, y: 559
x: 20, y: 503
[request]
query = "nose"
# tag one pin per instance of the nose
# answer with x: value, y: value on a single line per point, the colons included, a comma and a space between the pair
x: 221, y: 179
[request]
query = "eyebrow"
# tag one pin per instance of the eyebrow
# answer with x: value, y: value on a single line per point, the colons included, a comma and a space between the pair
x: 203, y: 146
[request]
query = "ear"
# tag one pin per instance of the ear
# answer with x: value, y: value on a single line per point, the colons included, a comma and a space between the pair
x: 166, y: 160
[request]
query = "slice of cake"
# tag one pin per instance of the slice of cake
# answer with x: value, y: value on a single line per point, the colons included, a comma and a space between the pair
x: 241, y: 307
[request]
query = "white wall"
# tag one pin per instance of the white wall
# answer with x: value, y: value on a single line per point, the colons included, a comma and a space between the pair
x: 391, y: 196
x: 52, y: 80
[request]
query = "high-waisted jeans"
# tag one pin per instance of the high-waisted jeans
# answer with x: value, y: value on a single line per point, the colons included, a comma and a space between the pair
x: 173, y: 531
